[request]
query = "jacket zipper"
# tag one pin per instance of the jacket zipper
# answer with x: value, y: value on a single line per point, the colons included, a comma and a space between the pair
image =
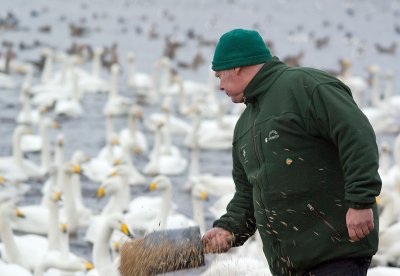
x: 256, y: 178
x: 312, y: 209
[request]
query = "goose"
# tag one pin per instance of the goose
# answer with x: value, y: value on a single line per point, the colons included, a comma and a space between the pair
x: 170, y: 162
x: 101, y: 256
x: 140, y: 83
x: 116, y: 104
x: 131, y: 138
x: 27, y: 115
x: 16, y: 167
x: 94, y: 83
x: 24, y: 250
x: 70, y: 106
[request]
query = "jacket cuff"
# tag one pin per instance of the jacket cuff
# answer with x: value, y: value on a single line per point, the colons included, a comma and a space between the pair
x: 355, y: 205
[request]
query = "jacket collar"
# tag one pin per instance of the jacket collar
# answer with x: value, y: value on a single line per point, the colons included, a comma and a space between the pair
x: 264, y: 79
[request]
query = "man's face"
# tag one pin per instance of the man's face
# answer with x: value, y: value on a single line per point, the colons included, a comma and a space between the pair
x: 232, y: 84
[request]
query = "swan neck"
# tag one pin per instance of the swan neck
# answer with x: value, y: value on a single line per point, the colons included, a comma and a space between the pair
x: 12, y: 251
x: 17, y: 151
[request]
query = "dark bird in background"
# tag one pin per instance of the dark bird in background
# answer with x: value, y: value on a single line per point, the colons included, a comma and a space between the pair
x: 390, y: 50
x: 322, y: 42
x: 294, y: 60
x: 75, y: 30
x: 171, y: 46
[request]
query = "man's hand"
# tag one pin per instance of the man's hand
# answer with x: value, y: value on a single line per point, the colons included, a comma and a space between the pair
x: 360, y: 222
x: 217, y: 240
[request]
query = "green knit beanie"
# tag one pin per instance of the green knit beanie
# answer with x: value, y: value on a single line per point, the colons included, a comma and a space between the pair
x: 238, y: 48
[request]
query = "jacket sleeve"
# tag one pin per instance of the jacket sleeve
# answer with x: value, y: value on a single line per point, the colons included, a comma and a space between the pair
x: 239, y: 218
x: 336, y: 117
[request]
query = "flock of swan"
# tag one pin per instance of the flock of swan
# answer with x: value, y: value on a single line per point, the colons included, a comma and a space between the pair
x: 35, y: 237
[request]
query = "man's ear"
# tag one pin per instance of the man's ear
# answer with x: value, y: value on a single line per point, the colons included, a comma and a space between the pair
x: 237, y: 70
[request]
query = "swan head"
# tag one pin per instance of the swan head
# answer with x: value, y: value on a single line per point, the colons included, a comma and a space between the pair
x: 160, y: 182
x: 108, y: 187
x: 136, y: 112
x: 8, y: 210
x: 199, y: 192
x: 60, y: 140
x: 73, y: 168
x: 116, y: 221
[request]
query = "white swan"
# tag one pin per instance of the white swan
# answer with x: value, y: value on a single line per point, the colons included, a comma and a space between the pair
x: 384, y: 271
x: 216, y: 185
x: 176, y: 124
x: 101, y: 256
x: 26, y: 250
x: 144, y: 210
x: 40, y: 219
x: 165, y: 218
x: 16, y: 167
x: 169, y: 162
x: 117, y: 190
x: 62, y: 264
x: 100, y: 167
x: 55, y: 88
x: 94, y: 83
x: 70, y: 106
x: 78, y: 158
x: 227, y: 265
x: 58, y: 165
x: 212, y: 133
x: 116, y: 104
x: 131, y: 138
x: 33, y: 142
x: 357, y: 84
x: 378, y: 113
x: 140, y: 83
x: 27, y: 115
x: 69, y: 212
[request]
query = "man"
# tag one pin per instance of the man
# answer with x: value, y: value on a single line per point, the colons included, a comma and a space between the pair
x: 305, y: 165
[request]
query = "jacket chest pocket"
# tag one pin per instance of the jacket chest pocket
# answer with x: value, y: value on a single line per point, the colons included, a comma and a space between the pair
x: 288, y: 174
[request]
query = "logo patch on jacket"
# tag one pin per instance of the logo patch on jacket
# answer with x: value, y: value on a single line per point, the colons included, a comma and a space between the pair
x: 272, y: 135
x: 243, y: 153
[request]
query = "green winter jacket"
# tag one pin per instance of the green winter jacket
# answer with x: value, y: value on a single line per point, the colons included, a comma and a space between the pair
x: 303, y: 153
